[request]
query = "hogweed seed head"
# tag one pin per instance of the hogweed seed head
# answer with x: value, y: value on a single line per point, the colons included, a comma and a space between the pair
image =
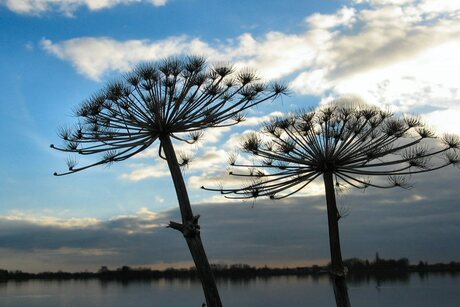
x: 354, y: 142
x: 166, y: 98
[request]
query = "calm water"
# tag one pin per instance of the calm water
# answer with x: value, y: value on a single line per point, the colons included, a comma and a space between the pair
x: 433, y: 290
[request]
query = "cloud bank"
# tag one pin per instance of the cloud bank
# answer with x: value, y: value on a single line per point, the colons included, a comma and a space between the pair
x: 422, y: 224
x: 410, y: 64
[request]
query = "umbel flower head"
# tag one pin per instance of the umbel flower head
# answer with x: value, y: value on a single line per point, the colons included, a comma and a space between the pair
x: 176, y: 97
x: 353, y: 141
x: 343, y: 142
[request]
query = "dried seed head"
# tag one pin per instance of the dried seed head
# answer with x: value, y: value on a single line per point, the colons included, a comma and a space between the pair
x: 279, y: 88
x: 239, y: 117
x: 247, y: 76
x: 232, y: 157
x: 451, y: 141
x: 222, y: 69
x: 196, y: 136
x: 251, y: 142
x: 399, y: 181
x: 71, y: 163
x: 452, y: 157
x: 425, y: 132
x: 184, y: 159
x: 413, y: 121
x: 194, y: 64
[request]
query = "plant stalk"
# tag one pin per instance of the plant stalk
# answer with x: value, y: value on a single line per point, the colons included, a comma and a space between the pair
x: 337, y: 270
x: 333, y: 224
x: 190, y: 227
x: 340, y: 291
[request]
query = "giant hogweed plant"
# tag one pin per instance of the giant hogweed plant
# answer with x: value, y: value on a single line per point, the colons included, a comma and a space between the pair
x: 343, y: 143
x: 173, y: 99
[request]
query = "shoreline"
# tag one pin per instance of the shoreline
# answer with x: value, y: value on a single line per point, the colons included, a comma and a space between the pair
x: 357, y: 268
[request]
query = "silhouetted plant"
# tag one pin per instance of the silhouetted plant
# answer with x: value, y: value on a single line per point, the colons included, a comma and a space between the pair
x: 172, y: 99
x: 345, y: 142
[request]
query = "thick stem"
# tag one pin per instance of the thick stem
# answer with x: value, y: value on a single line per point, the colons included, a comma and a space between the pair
x: 204, y: 271
x: 340, y: 291
x: 333, y: 223
x: 190, y: 227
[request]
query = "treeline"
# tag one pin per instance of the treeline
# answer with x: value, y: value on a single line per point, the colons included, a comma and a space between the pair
x: 355, y: 265
x: 237, y: 271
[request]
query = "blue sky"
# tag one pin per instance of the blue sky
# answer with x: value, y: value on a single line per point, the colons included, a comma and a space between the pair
x: 54, y: 54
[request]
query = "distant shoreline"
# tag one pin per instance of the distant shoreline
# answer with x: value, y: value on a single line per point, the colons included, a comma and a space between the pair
x: 383, y: 268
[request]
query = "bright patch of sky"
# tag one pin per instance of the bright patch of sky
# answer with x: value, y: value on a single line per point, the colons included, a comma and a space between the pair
x: 397, y: 53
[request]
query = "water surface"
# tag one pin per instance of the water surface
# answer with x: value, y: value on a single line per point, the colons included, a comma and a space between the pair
x: 410, y: 290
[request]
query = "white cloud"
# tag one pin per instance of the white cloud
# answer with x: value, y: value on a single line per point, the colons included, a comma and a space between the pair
x: 275, y: 56
x: 68, y: 7
x: 142, y: 171
x: 255, y: 121
x: 422, y: 81
x: 212, y: 136
x: 344, y: 17
x: 142, y: 220
x: 95, y: 56
x: 147, y: 214
x: 386, y: 2
x: 410, y: 64
x: 208, y: 160
x: 48, y: 219
x: 445, y: 121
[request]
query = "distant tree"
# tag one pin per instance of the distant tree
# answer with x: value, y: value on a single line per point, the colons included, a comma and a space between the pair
x: 172, y: 99
x: 3, y: 274
x: 345, y: 142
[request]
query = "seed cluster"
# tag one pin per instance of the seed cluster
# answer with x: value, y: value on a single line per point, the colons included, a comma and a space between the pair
x: 177, y: 97
x: 352, y: 141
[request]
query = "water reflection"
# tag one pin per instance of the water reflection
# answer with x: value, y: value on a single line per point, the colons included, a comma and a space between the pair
x: 339, y: 284
x: 372, y: 278
x: 313, y: 290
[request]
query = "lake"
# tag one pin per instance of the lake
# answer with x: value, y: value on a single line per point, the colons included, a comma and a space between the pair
x: 430, y: 290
